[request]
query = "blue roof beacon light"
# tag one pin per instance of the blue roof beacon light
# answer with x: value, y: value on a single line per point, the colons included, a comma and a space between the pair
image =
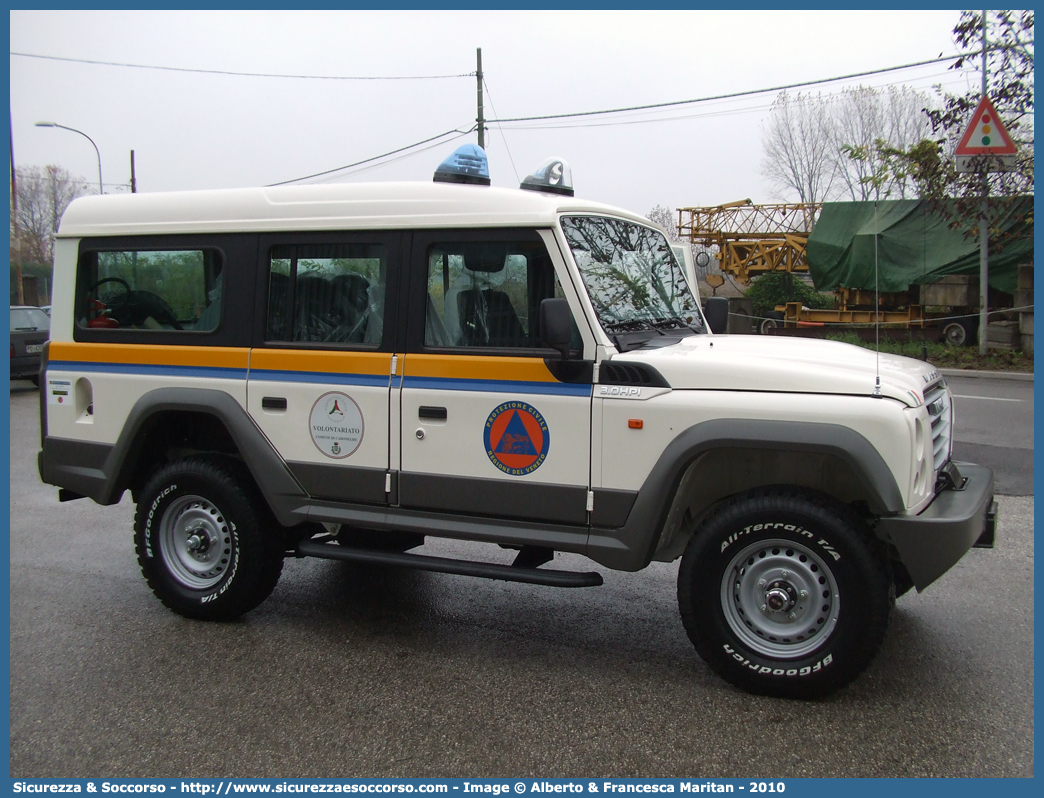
x: 553, y: 175
x: 467, y: 164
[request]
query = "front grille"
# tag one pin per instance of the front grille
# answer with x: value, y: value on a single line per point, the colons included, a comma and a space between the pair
x: 940, y: 411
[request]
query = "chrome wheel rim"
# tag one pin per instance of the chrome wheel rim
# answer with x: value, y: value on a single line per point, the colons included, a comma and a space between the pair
x: 780, y: 599
x: 195, y: 541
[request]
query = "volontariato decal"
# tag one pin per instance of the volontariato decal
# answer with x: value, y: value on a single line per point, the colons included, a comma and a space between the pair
x: 516, y: 438
x: 336, y: 425
x: 58, y: 391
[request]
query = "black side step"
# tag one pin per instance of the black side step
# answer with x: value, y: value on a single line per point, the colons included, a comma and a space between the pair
x: 508, y: 573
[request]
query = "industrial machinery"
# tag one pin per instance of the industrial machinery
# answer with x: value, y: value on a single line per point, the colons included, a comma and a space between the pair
x: 895, y: 262
x: 752, y: 239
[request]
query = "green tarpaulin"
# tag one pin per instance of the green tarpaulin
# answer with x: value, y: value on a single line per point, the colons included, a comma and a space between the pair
x: 912, y: 245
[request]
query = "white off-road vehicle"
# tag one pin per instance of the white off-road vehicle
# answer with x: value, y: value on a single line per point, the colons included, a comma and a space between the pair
x: 339, y: 371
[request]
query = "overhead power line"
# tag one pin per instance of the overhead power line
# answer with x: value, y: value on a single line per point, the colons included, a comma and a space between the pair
x: 242, y: 74
x: 654, y: 106
x: 374, y: 158
x: 724, y: 96
x: 417, y: 150
x: 573, y: 123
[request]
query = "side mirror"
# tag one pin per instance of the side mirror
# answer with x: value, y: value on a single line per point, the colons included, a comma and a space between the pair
x: 716, y: 311
x: 555, y: 325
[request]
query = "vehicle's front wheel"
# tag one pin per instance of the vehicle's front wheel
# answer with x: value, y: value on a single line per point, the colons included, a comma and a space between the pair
x: 784, y: 595
x: 203, y: 548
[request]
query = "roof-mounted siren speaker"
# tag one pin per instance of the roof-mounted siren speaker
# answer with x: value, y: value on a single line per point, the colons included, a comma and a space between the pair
x: 467, y: 164
x: 553, y: 176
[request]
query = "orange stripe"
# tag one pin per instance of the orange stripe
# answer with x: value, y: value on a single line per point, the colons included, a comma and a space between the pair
x: 209, y: 356
x: 474, y: 367
x: 376, y: 363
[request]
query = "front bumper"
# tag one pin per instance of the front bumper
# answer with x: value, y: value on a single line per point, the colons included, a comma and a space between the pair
x: 932, y: 542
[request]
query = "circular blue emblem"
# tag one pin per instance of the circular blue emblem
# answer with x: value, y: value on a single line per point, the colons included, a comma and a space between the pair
x: 516, y: 438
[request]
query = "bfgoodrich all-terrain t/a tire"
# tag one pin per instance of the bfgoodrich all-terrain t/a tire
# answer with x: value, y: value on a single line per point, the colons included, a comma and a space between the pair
x: 204, y: 549
x: 785, y: 595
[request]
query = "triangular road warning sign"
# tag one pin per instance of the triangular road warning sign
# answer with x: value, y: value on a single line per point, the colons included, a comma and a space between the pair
x: 986, y: 134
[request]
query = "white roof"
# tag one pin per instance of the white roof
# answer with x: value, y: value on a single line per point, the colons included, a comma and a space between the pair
x: 338, y: 206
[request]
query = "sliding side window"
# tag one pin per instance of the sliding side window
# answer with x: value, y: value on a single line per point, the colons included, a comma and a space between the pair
x: 327, y: 293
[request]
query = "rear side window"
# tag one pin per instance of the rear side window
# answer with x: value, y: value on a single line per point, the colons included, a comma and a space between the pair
x: 326, y: 294
x: 162, y: 289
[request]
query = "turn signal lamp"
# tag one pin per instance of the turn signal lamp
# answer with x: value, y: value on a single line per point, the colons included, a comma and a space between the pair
x: 467, y: 164
x: 553, y: 175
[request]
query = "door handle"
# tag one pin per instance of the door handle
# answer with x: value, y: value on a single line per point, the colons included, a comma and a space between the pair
x: 273, y: 403
x: 433, y: 413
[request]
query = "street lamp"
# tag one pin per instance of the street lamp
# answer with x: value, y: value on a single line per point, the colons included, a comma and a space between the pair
x: 101, y: 189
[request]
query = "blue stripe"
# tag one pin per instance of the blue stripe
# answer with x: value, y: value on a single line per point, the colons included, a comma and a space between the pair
x: 323, y: 377
x: 328, y: 378
x: 148, y: 369
x: 497, y: 386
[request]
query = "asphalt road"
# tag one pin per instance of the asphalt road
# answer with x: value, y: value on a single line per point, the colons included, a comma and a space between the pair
x: 351, y: 671
x: 994, y: 419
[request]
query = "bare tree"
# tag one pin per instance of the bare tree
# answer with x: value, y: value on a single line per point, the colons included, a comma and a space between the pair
x: 667, y: 219
x: 824, y: 148
x: 798, y: 148
x: 868, y: 124
x: 43, y: 195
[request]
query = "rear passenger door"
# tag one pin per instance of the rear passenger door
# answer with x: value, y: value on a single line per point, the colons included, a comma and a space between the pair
x: 492, y: 423
x: 320, y: 374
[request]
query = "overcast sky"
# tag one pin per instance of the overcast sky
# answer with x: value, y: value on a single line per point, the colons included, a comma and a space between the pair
x: 196, y: 131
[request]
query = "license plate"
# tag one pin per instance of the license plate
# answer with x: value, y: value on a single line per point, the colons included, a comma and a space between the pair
x: 33, y: 349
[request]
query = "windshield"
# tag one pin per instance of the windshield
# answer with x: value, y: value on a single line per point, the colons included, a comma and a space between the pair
x: 29, y: 320
x: 635, y: 283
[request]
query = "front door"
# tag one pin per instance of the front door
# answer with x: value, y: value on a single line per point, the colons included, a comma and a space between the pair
x: 487, y: 427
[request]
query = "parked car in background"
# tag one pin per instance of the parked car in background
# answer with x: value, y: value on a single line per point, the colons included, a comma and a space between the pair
x: 30, y: 328
x: 46, y: 309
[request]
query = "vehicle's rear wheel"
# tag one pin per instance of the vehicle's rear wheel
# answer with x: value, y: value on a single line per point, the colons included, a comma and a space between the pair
x: 784, y: 595
x: 771, y: 321
x: 203, y: 548
x: 955, y: 334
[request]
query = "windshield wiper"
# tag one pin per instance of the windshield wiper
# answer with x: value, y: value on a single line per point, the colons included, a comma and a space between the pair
x: 674, y: 323
x: 615, y: 328
x: 629, y: 325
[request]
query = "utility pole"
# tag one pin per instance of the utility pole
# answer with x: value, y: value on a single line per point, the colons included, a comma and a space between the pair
x: 984, y: 240
x: 481, y: 116
x: 134, y: 182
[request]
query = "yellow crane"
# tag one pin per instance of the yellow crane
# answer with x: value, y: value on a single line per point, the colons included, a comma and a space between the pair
x: 752, y: 239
